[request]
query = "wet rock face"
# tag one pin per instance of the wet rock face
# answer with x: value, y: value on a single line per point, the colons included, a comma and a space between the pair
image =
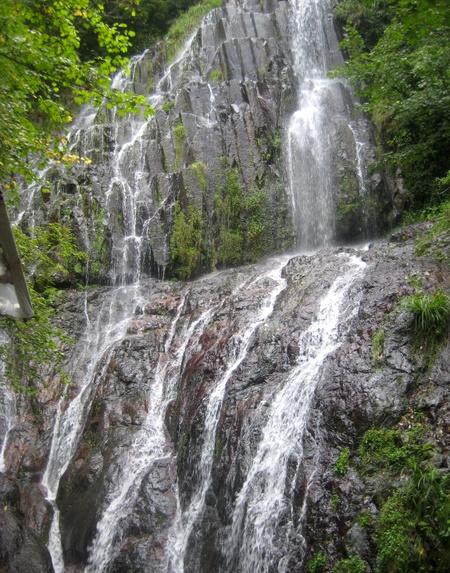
x: 221, y: 107
x: 353, y: 394
x: 21, y: 549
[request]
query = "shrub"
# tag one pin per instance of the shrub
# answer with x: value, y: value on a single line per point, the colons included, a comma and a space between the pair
x: 352, y: 564
x: 431, y: 313
x: 216, y: 75
x: 50, y: 258
x: 341, y: 465
x: 413, y: 530
x: 317, y: 563
x: 436, y: 242
x: 388, y: 448
x: 186, y: 242
x: 179, y: 135
x: 168, y: 106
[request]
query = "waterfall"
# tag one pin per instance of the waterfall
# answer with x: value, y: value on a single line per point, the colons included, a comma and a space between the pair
x: 261, y: 520
x: 127, y: 193
x: 89, y: 360
x: 322, y: 122
x: 214, y: 406
x: 265, y: 497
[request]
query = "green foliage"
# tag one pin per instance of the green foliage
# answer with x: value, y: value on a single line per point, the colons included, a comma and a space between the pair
x: 179, y: 135
x: 393, y: 449
x: 413, y: 528
x: 168, y: 106
x: 398, y: 58
x: 45, y: 69
x: 216, y: 75
x: 186, y: 242
x: 269, y: 145
x: 185, y: 25
x: 431, y: 313
x: 50, y: 257
x: 335, y: 501
x: 199, y: 170
x: 436, y: 242
x: 378, y: 347
x: 412, y: 532
x: 352, y: 564
x: 341, y: 465
x: 240, y: 221
x: 317, y: 563
x: 365, y: 519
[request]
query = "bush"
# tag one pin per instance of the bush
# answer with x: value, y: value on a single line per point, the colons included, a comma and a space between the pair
x: 413, y: 529
x: 317, y: 563
x: 431, y: 313
x: 186, y: 242
x: 390, y: 448
x: 437, y: 241
x: 353, y: 564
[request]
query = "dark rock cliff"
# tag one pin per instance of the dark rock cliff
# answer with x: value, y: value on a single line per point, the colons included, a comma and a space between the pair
x: 354, y: 394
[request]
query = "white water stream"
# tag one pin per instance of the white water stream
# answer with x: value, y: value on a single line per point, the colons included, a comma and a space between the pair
x: 242, y: 343
x: 7, y: 407
x: 315, y: 131
x: 92, y: 352
x: 265, y: 496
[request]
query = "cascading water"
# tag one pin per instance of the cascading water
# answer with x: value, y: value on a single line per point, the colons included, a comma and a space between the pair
x: 89, y: 360
x: 128, y: 185
x: 323, y: 118
x: 242, y: 342
x: 265, y: 497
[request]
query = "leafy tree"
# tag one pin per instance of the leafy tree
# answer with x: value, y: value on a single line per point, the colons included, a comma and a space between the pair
x: 46, y: 69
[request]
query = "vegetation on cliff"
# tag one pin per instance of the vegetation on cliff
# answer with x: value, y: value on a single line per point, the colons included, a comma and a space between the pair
x: 398, y: 59
x: 51, y: 259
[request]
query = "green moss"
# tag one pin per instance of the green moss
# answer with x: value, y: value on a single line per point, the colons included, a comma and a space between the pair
x: 317, y: 563
x: 186, y: 24
x: 352, y: 564
x: 216, y: 75
x: 378, y: 347
x: 179, y: 136
x: 341, y: 465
